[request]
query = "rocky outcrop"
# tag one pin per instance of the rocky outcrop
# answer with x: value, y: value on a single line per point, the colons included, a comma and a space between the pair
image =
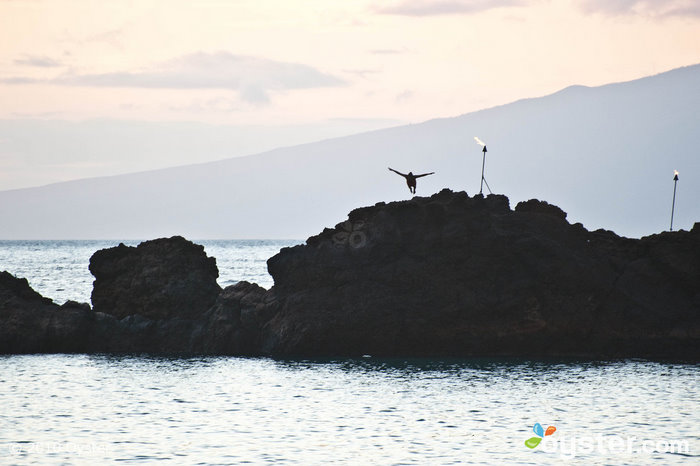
x: 159, y: 297
x: 454, y: 275
x: 447, y: 275
x: 160, y: 279
x: 234, y: 324
x: 30, y: 323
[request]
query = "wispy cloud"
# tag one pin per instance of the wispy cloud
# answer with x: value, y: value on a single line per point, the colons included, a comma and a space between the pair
x: 112, y: 37
x: 252, y: 77
x: 36, y: 115
x: 19, y: 80
x: 255, y: 94
x: 386, y: 52
x: 653, y: 8
x: 38, y: 61
x: 444, y: 7
x: 404, y: 96
x: 218, y: 104
x: 362, y: 73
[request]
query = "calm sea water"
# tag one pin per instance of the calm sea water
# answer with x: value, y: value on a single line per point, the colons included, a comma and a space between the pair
x: 89, y: 409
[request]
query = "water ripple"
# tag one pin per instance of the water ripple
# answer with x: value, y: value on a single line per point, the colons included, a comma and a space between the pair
x: 228, y: 410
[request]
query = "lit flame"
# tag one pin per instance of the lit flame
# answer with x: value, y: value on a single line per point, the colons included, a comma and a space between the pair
x: 479, y: 141
x: 675, y: 172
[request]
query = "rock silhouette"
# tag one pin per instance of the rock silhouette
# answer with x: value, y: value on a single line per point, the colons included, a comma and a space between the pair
x: 158, y: 279
x: 30, y: 323
x: 446, y: 275
x: 454, y: 275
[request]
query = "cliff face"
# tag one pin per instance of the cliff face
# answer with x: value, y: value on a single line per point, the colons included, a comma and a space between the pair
x: 444, y: 275
x: 453, y: 275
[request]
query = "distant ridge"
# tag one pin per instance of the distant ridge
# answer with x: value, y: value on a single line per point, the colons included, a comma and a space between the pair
x: 606, y: 153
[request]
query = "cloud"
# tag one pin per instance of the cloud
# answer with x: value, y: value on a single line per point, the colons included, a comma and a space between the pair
x: 362, y: 73
x: 404, y: 96
x: 254, y: 94
x: 19, y: 80
x: 111, y: 37
x: 386, y: 52
x: 217, y: 104
x: 444, y: 7
x: 38, y: 61
x: 653, y: 8
x: 36, y: 115
x: 252, y: 77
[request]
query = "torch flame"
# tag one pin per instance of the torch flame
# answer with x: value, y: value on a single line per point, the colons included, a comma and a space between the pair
x: 675, y: 172
x: 479, y: 141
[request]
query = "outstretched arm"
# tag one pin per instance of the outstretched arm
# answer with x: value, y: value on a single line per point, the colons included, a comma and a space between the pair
x: 398, y: 173
x: 425, y: 174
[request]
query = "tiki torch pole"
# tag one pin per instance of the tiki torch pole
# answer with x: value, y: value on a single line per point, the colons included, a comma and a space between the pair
x: 483, y: 165
x: 673, y: 206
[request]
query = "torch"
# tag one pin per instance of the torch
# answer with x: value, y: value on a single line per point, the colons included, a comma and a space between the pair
x: 483, y: 166
x: 673, y: 206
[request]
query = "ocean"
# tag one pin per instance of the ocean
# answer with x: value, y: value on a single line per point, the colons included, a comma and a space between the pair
x: 136, y: 408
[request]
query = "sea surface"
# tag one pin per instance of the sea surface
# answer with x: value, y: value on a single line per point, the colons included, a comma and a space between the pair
x: 146, y: 409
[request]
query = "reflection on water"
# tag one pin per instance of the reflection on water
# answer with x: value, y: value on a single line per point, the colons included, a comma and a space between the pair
x: 82, y: 408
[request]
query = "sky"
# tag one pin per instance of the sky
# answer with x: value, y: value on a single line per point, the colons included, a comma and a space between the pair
x: 296, y: 71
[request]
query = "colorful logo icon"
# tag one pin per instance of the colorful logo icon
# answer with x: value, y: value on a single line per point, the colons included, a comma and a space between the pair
x: 532, y: 442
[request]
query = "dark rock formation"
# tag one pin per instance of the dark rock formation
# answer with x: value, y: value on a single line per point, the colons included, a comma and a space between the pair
x: 438, y: 276
x: 453, y: 275
x: 30, y: 323
x: 158, y: 297
x: 234, y: 323
x: 159, y: 279
x: 541, y: 207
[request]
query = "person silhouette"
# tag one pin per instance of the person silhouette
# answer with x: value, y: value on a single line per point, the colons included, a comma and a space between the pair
x: 411, y: 179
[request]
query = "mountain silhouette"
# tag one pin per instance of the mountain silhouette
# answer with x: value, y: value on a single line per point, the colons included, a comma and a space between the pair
x: 606, y: 154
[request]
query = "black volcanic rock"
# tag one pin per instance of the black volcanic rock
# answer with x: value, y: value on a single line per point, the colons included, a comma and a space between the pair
x: 436, y: 276
x: 454, y: 275
x: 234, y: 323
x: 16, y: 292
x: 30, y: 323
x: 155, y: 298
x: 542, y: 207
x: 158, y: 279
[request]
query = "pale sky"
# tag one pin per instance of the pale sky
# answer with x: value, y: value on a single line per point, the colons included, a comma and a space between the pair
x: 281, y: 63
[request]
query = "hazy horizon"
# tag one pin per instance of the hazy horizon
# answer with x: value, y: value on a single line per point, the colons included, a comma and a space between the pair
x: 111, y: 88
x: 605, y: 155
x: 251, y: 145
